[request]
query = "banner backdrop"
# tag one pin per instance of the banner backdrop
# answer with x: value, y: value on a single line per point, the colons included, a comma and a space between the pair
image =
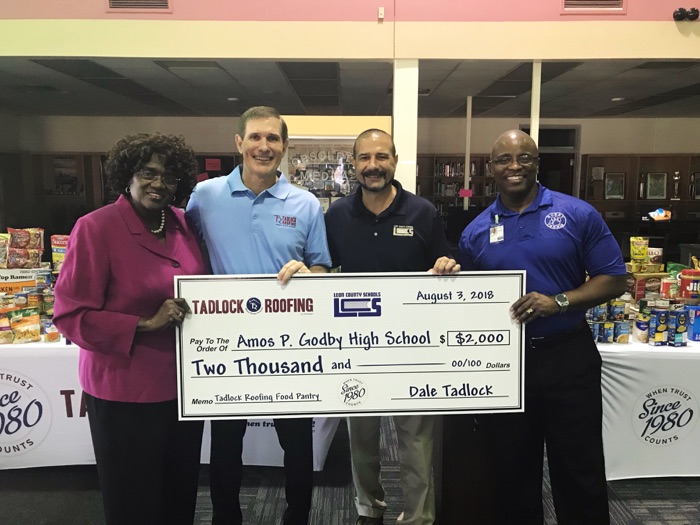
x: 651, y: 410
x: 43, y: 421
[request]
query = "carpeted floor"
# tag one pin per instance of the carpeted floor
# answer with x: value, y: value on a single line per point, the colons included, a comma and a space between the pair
x: 70, y: 495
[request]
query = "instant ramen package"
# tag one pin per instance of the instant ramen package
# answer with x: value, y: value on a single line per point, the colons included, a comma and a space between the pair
x: 24, y: 258
x: 29, y: 238
x: 4, y: 246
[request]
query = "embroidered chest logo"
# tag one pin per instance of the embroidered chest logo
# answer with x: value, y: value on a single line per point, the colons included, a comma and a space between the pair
x: 555, y: 220
x: 403, y: 231
x: 286, y: 221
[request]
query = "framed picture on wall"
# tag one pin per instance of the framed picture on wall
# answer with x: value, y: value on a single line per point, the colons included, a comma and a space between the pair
x: 694, y: 186
x: 614, y: 185
x: 656, y: 185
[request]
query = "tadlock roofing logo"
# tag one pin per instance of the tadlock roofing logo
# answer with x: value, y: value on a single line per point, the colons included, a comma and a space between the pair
x: 664, y: 415
x: 25, y: 414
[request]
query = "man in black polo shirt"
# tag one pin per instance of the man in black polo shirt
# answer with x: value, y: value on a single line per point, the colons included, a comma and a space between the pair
x: 383, y: 228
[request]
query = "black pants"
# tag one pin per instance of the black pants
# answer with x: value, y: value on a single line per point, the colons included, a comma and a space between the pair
x: 147, y: 461
x: 505, y: 452
x: 226, y: 465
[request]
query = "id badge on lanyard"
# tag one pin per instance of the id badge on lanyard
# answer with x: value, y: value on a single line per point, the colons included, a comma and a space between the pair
x: 496, y: 232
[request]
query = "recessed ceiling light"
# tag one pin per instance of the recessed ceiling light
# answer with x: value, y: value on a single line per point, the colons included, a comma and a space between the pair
x: 617, y: 99
x: 232, y: 99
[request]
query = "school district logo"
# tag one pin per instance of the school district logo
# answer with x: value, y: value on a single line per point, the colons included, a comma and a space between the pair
x: 25, y: 414
x: 357, y: 306
x: 664, y: 415
x: 555, y: 220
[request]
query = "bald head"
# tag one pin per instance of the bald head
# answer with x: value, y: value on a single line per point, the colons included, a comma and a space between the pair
x: 514, y: 137
x: 373, y: 132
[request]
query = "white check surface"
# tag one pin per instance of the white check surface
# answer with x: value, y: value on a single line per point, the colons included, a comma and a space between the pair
x: 350, y: 344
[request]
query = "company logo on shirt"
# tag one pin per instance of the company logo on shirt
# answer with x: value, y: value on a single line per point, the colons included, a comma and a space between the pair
x: 25, y: 414
x: 403, y: 231
x: 664, y: 415
x: 555, y: 220
x: 285, y: 221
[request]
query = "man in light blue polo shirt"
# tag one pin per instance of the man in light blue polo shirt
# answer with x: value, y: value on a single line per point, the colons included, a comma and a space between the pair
x: 254, y: 221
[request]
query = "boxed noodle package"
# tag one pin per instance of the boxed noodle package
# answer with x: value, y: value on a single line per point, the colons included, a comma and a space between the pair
x: 13, y: 281
x: 58, y: 251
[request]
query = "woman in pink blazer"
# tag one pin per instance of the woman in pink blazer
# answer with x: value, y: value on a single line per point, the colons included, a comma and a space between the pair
x: 114, y: 299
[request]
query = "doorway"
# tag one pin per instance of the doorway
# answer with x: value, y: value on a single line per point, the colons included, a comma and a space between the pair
x: 558, y: 149
x: 557, y: 172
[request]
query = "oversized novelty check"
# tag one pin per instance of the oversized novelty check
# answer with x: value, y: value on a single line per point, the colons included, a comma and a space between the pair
x: 349, y: 344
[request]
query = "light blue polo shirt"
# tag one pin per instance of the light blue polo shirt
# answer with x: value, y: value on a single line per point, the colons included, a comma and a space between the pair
x: 248, y: 234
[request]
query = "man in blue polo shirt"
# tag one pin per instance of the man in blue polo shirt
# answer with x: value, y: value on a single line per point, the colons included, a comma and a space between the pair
x: 383, y: 228
x: 254, y: 221
x: 558, y: 239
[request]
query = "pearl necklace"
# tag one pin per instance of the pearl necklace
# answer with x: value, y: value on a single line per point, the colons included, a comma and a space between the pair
x: 162, y: 223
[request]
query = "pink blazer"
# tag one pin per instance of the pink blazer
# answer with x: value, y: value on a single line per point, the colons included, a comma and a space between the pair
x: 116, y: 271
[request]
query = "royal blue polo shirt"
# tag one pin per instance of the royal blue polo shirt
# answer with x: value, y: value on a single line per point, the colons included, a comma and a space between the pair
x: 406, y: 237
x: 557, y: 239
x: 248, y: 234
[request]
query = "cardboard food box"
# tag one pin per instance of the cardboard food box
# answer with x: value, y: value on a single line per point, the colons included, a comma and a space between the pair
x: 17, y: 280
x: 639, y: 284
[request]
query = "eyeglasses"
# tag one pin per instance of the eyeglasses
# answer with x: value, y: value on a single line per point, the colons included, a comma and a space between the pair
x: 150, y: 175
x: 524, y: 160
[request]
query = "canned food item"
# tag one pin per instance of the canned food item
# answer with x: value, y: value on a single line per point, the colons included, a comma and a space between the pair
x: 616, y: 311
x: 678, y: 327
x: 50, y: 332
x: 595, y: 331
x: 658, y: 327
x: 640, y: 328
x: 621, y: 332
x: 608, y: 332
x: 43, y: 277
x: 21, y: 299
x: 600, y: 313
x: 644, y: 306
x: 35, y: 300
x: 47, y: 302
x: 693, y: 322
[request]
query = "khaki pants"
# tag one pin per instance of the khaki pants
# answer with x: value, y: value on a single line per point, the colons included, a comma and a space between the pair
x: 415, y: 446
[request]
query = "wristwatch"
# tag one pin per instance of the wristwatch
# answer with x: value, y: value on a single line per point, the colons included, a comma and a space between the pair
x: 563, y: 301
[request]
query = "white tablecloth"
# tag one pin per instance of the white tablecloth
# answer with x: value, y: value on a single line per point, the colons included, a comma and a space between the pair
x: 650, y: 410
x: 43, y: 424
x: 52, y: 428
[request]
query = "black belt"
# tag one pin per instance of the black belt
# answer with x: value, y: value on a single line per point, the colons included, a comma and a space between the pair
x: 557, y: 339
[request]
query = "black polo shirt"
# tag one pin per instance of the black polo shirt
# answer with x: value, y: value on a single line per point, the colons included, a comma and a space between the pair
x: 406, y: 237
